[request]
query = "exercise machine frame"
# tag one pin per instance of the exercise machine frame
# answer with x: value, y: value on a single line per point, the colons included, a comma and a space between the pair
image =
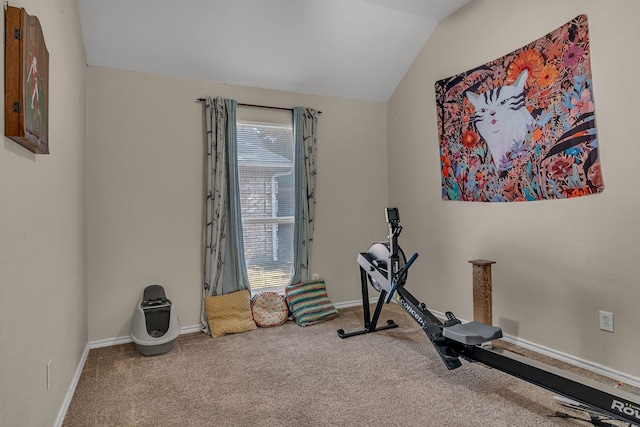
x: 454, y: 340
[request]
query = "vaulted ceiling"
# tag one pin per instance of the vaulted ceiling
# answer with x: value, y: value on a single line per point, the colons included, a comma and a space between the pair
x: 358, y: 49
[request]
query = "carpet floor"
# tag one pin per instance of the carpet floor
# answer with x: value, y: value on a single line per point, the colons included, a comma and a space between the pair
x: 307, y: 376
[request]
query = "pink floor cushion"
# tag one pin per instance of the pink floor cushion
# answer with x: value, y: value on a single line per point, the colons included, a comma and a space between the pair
x: 269, y: 309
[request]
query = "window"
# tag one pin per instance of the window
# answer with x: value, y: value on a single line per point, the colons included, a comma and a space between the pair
x: 265, y: 173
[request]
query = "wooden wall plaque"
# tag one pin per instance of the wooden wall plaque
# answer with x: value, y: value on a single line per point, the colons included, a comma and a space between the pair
x: 26, y: 81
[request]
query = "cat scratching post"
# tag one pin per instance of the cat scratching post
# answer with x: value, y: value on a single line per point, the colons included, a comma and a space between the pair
x: 482, y: 299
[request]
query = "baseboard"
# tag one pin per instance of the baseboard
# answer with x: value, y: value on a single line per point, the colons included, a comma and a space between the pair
x: 580, y: 363
x: 72, y: 388
x: 191, y: 329
x: 354, y: 303
x: 127, y: 339
x: 108, y: 342
x: 97, y: 344
x: 615, y: 375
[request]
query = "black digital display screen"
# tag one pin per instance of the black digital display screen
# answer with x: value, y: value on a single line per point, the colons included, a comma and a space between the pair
x: 392, y: 214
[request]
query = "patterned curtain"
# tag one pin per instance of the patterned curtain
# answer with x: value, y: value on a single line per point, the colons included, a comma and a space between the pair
x: 305, y: 125
x: 224, y: 266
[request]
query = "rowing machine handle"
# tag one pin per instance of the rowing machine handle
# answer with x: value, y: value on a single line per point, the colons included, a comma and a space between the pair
x: 396, y: 278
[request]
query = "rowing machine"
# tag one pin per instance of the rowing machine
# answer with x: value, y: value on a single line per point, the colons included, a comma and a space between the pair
x: 381, y: 266
x: 385, y: 267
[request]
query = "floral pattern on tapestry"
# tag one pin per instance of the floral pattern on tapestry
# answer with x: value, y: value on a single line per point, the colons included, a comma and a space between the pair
x: 522, y: 127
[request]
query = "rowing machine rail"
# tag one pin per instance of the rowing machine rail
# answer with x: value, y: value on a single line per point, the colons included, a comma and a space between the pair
x: 454, y: 340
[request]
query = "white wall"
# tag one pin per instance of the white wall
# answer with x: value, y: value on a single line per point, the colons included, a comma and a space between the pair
x: 43, y: 295
x: 145, y: 190
x: 558, y: 262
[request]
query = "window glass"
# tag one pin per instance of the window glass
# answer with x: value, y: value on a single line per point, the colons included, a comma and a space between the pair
x: 265, y: 172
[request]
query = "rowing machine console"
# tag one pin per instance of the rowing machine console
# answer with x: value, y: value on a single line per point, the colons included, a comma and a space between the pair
x: 384, y: 266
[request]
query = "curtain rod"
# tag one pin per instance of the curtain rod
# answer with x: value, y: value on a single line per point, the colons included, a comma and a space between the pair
x: 270, y: 107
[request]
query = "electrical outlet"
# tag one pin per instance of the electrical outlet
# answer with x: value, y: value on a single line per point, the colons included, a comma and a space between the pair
x: 606, y: 321
x: 49, y: 366
x: 315, y: 276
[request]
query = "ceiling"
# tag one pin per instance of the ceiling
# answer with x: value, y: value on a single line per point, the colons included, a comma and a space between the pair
x: 357, y: 49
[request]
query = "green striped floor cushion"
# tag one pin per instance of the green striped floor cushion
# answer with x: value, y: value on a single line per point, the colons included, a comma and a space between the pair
x: 309, y: 303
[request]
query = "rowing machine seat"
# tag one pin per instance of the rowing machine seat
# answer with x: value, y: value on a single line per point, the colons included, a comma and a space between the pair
x: 472, y: 333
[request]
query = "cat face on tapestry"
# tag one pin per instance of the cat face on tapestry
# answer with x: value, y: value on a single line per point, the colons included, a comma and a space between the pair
x: 501, y: 116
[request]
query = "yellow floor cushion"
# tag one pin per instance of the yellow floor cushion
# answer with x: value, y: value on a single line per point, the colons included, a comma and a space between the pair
x: 229, y: 313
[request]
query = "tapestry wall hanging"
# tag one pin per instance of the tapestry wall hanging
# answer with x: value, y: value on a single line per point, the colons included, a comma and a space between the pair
x: 522, y: 127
